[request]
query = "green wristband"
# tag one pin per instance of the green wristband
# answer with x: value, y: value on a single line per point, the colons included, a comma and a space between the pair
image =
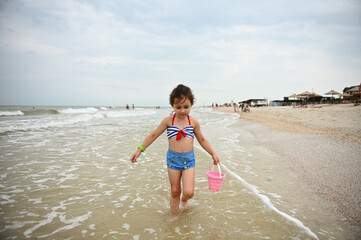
x: 141, y: 148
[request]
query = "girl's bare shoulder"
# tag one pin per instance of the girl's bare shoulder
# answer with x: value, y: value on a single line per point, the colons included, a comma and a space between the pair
x: 194, y: 121
x: 167, y: 121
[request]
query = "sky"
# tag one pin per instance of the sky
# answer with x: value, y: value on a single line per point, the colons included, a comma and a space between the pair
x: 112, y: 53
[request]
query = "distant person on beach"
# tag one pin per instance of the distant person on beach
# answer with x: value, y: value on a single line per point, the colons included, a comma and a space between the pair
x: 235, y: 107
x: 181, y: 129
x: 247, y: 108
x: 127, y: 107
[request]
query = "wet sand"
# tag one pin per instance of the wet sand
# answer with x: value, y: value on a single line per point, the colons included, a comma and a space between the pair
x: 320, y: 147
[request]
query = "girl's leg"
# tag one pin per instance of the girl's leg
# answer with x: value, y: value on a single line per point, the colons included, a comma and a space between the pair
x: 175, y: 189
x: 188, y: 184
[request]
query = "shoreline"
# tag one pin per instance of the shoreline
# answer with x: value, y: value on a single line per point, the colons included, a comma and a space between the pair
x: 320, y: 155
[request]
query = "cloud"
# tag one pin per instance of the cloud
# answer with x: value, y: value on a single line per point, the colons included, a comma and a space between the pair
x: 241, y: 49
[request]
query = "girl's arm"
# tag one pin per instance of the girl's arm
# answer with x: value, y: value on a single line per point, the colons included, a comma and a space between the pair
x: 204, y: 142
x: 150, y: 138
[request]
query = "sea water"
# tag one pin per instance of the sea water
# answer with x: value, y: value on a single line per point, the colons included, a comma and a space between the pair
x: 65, y: 173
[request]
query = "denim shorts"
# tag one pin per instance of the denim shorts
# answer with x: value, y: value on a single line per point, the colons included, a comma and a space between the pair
x: 180, y: 161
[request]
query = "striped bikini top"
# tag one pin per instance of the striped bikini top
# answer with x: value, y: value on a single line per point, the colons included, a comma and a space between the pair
x: 173, y: 131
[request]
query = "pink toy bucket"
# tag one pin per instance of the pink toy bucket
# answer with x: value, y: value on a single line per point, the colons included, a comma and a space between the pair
x: 215, y: 179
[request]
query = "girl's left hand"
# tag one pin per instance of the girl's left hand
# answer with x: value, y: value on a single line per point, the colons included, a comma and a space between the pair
x: 134, y: 157
x: 216, y: 159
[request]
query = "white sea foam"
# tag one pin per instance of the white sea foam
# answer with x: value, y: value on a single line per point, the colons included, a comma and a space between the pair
x: 17, y: 224
x: 123, y: 198
x: 78, y: 110
x: 275, y: 195
x: 129, y: 113
x: 150, y: 230
x: 268, y: 203
x: 72, y: 223
x: 49, y: 218
x: 42, y: 180
x: 136, y: 237
x: 126, y: 226
x: 6, y: 199
x: 35, y: 200
x: 138, y: 199
x: 11, y: 113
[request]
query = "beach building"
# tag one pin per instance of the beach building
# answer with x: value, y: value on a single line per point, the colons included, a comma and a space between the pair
x: 353, y: 90
x: 286, y: 102
x: 255, y: 102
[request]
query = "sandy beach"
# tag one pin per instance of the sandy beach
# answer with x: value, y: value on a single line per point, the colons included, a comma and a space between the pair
x: 339, y: 120
x: 319, y: 147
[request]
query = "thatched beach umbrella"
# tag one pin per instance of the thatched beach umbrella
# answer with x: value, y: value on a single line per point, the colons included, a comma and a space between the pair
x: 305, y: 95
x: 293, y: 96
x: 332, y: 92
x: 315, y: 95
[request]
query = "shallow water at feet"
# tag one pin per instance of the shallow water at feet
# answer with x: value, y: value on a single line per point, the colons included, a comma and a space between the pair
x: 65, y: 174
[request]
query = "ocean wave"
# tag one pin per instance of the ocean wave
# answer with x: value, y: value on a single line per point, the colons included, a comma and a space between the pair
x: 53, y: 117
x: 78, y: 110
x: 37, y: 124
x: 108, y: 112
x: 11, y: 113
x: 40, y: 112
x: 50, y: 111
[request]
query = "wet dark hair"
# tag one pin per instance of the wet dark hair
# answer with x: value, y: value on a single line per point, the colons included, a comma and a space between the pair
x: 181, y: 92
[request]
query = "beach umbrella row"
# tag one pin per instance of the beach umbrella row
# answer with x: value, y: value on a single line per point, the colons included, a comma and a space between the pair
x: 307, y: 94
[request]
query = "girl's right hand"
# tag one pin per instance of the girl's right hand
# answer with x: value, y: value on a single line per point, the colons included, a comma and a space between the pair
x: 216, y: 159
x: 134, y: 157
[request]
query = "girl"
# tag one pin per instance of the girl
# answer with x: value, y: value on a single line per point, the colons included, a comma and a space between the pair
x: 181, y: 129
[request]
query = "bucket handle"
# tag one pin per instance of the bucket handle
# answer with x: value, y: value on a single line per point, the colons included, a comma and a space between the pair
x: 219, y: 169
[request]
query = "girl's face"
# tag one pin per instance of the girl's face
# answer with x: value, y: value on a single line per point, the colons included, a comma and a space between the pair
x: 182, y: 107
